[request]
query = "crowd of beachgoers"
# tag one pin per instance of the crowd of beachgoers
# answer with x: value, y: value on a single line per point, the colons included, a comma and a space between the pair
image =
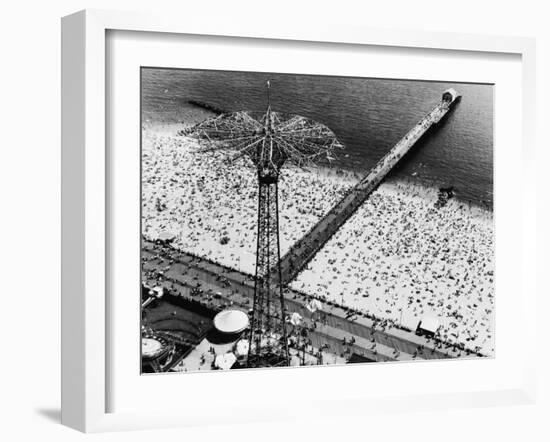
x: 400, y: 257
x: 211, y: 205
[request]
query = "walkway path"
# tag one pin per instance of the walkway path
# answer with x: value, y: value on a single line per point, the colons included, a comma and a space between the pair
x: 216, y: 287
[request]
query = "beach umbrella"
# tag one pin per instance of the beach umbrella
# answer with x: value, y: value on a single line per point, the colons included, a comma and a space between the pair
x: 314, y: 305
x: 166, y: 236
x: 295, y: 318
x: 241, y: 349
x: 225, y: 361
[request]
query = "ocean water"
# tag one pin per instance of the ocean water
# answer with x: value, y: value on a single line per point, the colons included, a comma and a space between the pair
x: 367, y: 115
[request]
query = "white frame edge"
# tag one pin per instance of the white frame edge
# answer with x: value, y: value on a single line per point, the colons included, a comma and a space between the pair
x: 83, y: 222
x: 84, y: 346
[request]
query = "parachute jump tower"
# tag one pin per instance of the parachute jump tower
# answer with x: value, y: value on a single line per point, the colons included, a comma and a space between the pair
x: 269, y: 140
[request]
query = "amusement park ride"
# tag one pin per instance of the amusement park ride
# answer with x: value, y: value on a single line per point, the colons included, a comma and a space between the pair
x: 269, y: 140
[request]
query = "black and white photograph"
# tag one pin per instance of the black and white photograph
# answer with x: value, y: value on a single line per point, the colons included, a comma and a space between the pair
x: 302, y: 220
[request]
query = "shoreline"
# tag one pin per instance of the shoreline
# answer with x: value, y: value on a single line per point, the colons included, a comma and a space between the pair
x: 194, y: 113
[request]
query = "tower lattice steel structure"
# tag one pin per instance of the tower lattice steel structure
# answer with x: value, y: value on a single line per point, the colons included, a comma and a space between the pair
x: 269, y: 140
x: 268, y: 337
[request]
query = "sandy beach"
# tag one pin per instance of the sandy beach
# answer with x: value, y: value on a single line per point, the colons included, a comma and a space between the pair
x: 399, y: 257
x: 205, y: 201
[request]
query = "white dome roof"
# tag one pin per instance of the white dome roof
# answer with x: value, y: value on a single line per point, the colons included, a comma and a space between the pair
x: 231, y: 321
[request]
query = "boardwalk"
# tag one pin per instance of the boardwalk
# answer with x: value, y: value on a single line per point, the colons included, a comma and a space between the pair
x: 303, y: 251
x: 216, y: 287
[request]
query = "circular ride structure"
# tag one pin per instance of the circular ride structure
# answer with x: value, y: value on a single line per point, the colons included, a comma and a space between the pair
x: 152, y: 348
x: 269, y: 140
x: 156, y: 352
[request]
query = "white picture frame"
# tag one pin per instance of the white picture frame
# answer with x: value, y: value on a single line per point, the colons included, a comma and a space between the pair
x: 85, y: 202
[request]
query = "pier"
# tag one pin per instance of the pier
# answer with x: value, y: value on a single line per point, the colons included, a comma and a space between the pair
x: 303, y: 251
